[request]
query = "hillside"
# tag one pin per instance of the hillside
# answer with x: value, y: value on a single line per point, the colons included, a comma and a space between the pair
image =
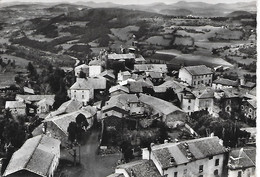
x: 240, y: 14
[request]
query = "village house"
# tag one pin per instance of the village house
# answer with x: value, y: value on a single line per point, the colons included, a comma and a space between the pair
x: 98, y: 83
x: 204, y: 100
x: 82, y: 68
x: 162, y: 68
x: 95, y: 67
x: 45, y: 105
x: 67, y: 107
x: 118, y: 89
x: 140, y: 60
x: 127, y: 59
x: 248, y: 108
x: 81, y: 91
x: 17, y: 108
x: 187, y: 101
x: 57, y: 126
x: 198, y: 157
x: 196, y: 76
x: 222, y: 83
x: 165, y: 111
x: 109, y: 75
x: 123, y: 75
x: 242, y: 162
x: 137, y: 169
x: 228, y: 100
x: 38, y: 157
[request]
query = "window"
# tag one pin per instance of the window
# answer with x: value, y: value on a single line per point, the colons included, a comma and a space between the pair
x: 216, y: 162
x: 189, y: 100
x: 201, y: 168
x: 202, y: 82
x: 175, y: 174
x: 216, y: 172
x: 188, y: 107
x: 198, y: 82
x: 210, y: 157
x: 185, y: 171
x: 228, y: 108
x: 82, y: 96
x: 200, y: 175
x: 194, y: 83
x: 209, y: 81
x: 239, y: 174
x: 250, y: 110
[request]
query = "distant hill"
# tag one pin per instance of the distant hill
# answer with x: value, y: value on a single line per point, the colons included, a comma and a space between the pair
x: 239, y: 13
x: 176, y: 12
x: 197, y: 8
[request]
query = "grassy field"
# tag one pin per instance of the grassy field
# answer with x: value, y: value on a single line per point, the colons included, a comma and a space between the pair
x: 158, y: 40
x: 124, y: 34
x: 20, y: 62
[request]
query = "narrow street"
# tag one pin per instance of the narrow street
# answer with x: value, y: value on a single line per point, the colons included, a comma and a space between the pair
x: 92, y: 165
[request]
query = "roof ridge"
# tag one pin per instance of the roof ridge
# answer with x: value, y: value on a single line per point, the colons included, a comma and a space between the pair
x: 30, y: 157
x: 249, y: 158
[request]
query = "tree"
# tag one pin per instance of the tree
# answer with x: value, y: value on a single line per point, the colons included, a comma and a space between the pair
x: 31, y: 68
x: 82, y: 121
x: 72, y: 130
x: 82, y: 74
x: 61, y: 96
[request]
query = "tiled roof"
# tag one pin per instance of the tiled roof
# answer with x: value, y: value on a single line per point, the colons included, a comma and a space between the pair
x: 246, y: 159
x: 67, y: 107
x: 141, y: 168
x: 204, y: 93
x: 198, y: 70
x: 36, y: 155
x: 108, y: 73
x: 81, y: 67
x: 34, y: 98
x: 249, y: 84
x: 123, y: 99
x: 98, y: 82
x: 135, y: 87
x: 199, y: 149
x: 115, y: 56
x: 159, y: 104
x: 125, y: 73
x: 176, y: 86
x: 159, y: 89
x: 118, y: 87
x: 252, y: 103
x: 81, y: 84
x: 96, y: 63
x: 151, y: 67
x: 226, y: 82
x: 46, y: 101
x: 155, y: 75
x: 15, y: 104
x: 63, y: 121
x: 28, y: 90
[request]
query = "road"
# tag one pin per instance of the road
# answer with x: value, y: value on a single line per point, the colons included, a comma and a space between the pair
x: 93, y: 165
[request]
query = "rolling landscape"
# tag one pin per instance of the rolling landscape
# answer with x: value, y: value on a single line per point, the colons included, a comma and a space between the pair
x: 140, y: 50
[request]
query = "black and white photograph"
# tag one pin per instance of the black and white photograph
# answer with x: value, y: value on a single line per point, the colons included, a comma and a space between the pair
x: 128, y: 88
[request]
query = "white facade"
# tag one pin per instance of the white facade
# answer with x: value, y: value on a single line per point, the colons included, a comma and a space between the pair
x: 204, y: 103
x: 192, y: 169
x: 188, y: 104
x: 195, y: 80
x: 242, y: 173
x: 81, y: 95
x: 84, y: 68
x: 94, y: 70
